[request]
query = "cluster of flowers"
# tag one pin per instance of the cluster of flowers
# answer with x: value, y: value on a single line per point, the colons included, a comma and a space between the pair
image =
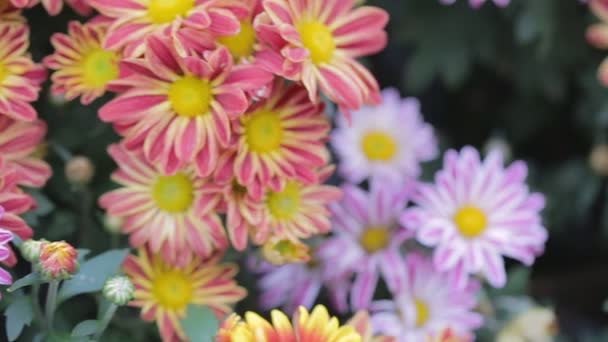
x: 429, y: 243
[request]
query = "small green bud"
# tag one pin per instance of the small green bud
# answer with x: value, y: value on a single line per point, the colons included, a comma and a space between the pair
x: 30, y: 249
x: 119, y: 290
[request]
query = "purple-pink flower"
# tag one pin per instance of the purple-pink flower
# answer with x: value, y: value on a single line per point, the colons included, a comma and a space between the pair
x: 478, y: 3
x: 427, y: 302
x: 476, y: 212
x: 5, y: 252
x: 367, y: 239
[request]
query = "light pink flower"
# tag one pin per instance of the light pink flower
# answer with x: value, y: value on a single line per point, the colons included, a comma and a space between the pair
x: 478, y: 3
x: 477, y: 212
x: 5, y: 252
x: 426, y: 303
x: 55, y: 6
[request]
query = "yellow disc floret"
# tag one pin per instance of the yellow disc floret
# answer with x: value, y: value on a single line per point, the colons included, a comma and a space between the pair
x: 319, y: 40
x: 190, y: 96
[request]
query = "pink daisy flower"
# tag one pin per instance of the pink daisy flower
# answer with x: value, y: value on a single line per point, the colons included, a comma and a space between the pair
x: 134, y: 20
x: 244, y: 44
x: 427, y: 302
x: 18, y: 143
x: 5, y: 252
x: 282, y: 137
x: 178, y: 109
x: 477, y: 212
x: 367, y: 238
x: 389, y: 140
x: 14, y: 202
x: 20, y: 77
x: 55, y: 6
x: 317, y: 42
x: 478, y: 3
x: 169, y: 213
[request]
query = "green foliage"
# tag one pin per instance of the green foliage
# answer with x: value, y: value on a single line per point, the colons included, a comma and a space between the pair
x: 85, y: 328
x: 18, y: 314
x: 200, y: 324
x: 93, y: 273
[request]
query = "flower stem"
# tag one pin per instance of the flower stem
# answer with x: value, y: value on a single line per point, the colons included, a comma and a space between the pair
x: 51, y: 301
x: 107, y: 317
x: 36, y: 303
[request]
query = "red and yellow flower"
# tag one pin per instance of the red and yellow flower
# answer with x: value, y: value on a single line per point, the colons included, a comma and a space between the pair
x: 317, y: 42
x: 58, y: 260
x: 134, y: 20
x: 20, y: 77
x: 299, y: 210
x: 315, y: 326
x: 171, y: 214
x: 163, y: 292
x: 15, y: 202
x: 19, y: 142
x: 178, y: 109
x: 84, y: 67
x: 55, y: 6
x: 280, y: 138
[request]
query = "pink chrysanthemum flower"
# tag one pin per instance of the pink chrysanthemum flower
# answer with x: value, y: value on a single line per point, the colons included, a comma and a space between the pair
x: 597, y: 34
x: 293, y: 285
x: 361, y: 321
x: 243, y: 210
x: 388, y: 141
x: 476, y: 213
x: 367, y: 238
x: 299, y: 211
x: 178, y: 110
x: 83, y: 67
x: 14, y: 202
x: 163, y: 291
x: 280, y: 138
x: 19, y: 142
x: 243, y: 44
x: 55, y: 6
x: 169, y: 213
x: 427, y: 302
x: 134, y: 20
x: 20, y: 77
x: 478, y: 3
x: 317, y: 41
x: 5, y: 252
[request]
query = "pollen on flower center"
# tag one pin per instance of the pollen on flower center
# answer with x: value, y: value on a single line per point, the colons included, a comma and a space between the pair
x: 241, y: 44
x: 374, y: 238
x: 319, y: 40
x: 172, y: 289
x: 263, y: 131
x: 190, y: 96
x: 422, y: 312
x: 470, y: 221
x: 165, y: 11
x: 99, y: 67
x: 174, y: 194
x: 379, y: 146
x: 285, y: 204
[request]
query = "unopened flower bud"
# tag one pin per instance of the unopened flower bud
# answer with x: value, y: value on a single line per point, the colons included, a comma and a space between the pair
x: 30, y: 249
x: 113, y: 224
x: 598, y: 160
x: 58, y: 260
x: 79, y: 170
x: 119, y: 290
x: 280, y: 252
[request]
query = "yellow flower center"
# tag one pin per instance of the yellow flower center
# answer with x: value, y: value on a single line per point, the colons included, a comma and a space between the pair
x: 4, y: 72
x: 319, y: 40
x: 285, y: 204
x: 165, y: 11
x: 190, y: 96
x: 241, y: 44
x: 172, y: 289
x: 422, y: 312
x: 174, y: 194
x: 99, y: 67
x: 379, y: 146
x: 470, y: 221
x: 263, y: 131
x: 374, y: 238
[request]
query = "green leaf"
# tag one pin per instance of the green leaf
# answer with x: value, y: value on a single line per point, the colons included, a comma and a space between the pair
x: 200, y: 324
x: 85, y: 328
x: 18, y: 314
x: 93, y: 274
x: 28, y: 280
